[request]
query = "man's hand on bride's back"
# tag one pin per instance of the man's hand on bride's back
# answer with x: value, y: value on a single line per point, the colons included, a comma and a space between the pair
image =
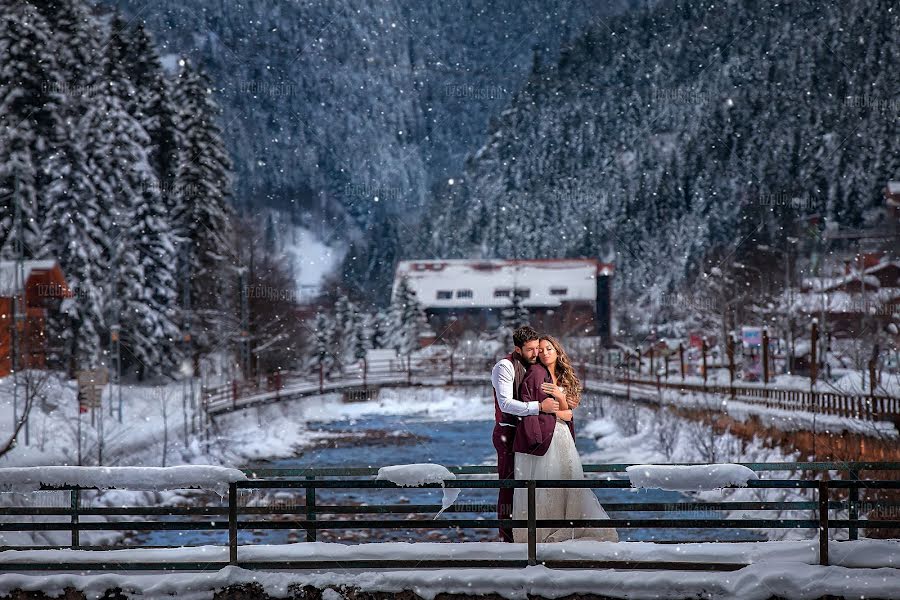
x: 549, y: 405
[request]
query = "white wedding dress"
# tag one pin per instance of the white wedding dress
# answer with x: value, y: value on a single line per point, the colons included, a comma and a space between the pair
x: 560, y: 462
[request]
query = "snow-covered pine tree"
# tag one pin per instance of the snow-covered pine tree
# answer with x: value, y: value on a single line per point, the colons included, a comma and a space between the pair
x: 203, y: 185
x: 407, y: 319
x: 154, y: 108
x: 152, y: 327
x: 31, y: 125
x: 380, y: 322
x: 323, y: 345
x: 344, y: 325
x: 513, y: 316
x: 78, y: 222
x: 362, y: 336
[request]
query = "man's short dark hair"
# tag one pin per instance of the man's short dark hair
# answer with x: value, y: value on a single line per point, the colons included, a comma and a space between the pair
x: 524, y: 334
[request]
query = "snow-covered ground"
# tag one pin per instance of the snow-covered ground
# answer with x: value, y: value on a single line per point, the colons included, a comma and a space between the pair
x: 779, y: 569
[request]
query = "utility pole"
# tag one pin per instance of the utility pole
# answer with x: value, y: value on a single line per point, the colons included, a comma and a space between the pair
x: 187, y: 322
x: 244, y: 338
x: 114, y: 335
x: 18, y: 320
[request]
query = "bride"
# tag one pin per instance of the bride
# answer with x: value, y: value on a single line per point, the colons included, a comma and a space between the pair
x: 545, y: 449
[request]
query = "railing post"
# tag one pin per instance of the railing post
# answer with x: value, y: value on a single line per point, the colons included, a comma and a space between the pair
x: 532, y: 524
x: 765, y: 355
x: 823, y: 523
x: 311, y: 509
x: 704, y: 348
x: 729, y: 350
x: 232, y: 523
x: 321, y: 378
x: 234, y: 394
x: 854, y: 504
x: 409, y: 370
x: 365, y: 374
x: 451, y: 367
x: 74, y: 501
x: 681, y: 358
x: 813, y: 357
x: 627, y: 377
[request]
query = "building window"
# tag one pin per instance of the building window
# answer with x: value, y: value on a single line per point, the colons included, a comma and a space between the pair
x: 522, y: 292
x: 444, y: 295
x: 464, y: 293
x: 558, y: 291
x: 504, y: 293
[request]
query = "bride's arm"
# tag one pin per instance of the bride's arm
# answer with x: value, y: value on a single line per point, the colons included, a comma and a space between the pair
x: 565, y: 415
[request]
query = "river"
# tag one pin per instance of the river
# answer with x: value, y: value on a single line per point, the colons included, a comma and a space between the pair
x: 378, y: 440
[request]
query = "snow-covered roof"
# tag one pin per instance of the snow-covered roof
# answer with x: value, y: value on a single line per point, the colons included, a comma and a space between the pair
x: 880, y: 301
x: 883, y: 265
x: 8, y: 274
x: 824, y: 284
x: 462, y: 283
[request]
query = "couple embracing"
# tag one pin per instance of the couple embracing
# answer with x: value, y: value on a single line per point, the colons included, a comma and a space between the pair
x: 535, y: 394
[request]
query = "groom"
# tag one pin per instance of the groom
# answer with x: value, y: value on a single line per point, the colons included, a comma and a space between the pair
x: 506, y: 377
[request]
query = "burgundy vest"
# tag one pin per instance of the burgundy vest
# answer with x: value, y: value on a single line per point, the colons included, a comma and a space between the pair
x: 518, y: 376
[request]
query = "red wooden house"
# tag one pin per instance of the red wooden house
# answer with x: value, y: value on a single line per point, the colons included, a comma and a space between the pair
x: 40, y: 288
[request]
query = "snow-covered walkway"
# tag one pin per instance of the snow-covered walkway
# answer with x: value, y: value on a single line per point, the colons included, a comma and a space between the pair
x: 865, y: 568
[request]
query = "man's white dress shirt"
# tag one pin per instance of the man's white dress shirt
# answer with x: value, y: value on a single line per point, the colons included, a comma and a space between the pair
x: 502, y: 377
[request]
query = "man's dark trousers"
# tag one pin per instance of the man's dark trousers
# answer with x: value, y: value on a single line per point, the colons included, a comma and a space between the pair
x: 503, y: 442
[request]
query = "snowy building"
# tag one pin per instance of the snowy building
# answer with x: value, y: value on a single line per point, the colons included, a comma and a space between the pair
x: 564, y: 297
x: 40, y: 287
x: 843, y: 301
x: 892, y: 194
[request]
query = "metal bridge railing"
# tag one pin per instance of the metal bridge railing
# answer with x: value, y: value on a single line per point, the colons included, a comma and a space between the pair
x: 233, y: 517
x: 447, y: 369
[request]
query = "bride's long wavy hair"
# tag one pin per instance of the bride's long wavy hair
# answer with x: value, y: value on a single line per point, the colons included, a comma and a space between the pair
x: 565, y: 373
